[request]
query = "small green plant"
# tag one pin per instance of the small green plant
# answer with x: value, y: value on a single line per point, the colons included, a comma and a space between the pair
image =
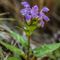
x: 33, y: 19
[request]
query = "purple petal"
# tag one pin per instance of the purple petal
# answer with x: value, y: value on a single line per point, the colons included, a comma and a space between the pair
x: 33, y: 14
x: 46, y: 18
x: 28, y: 17
x: 34, y: 11
x: 35, y: 8
x: 41, y: 14
x: 42, y: 23
x: 25, y: 11
x: 45, y: 9
x: 25, y: 4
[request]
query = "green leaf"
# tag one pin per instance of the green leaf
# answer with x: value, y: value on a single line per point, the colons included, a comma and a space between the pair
x: 46, y: 49
x: 19, y: 38
x: 57, y: 53
x: 13, y: 58
x: 13, y: 48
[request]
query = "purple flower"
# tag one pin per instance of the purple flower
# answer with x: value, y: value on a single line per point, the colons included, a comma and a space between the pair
x: 42, y: 23
x: 46, y: 18
x: 45, y: 9
x: 34, y: 11
x: 28, y: 17
x: 25, y: 4
x: 35, y: 8
x: 42, y: 16
x: 25, y: 11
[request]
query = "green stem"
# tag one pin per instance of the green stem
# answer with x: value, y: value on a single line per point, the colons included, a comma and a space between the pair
x: 28, y: 51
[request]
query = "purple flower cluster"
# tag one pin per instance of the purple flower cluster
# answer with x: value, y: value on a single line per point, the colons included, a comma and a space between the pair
x: 33, y: 12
